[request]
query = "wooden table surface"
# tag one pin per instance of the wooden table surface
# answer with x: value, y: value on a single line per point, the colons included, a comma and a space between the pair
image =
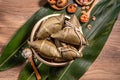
x: 14, y: 13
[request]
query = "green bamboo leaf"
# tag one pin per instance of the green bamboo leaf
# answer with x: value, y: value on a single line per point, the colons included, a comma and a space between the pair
x: 28, y: 73
x: 106, y: 13
x: 11, y: 55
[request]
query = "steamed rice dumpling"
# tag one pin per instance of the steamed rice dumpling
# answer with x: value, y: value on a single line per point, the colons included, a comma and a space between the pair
x: 73, y: 20
x: 46, y: 48
x: 68, y: 52
x: 70, y: 35
x: 51, y: 25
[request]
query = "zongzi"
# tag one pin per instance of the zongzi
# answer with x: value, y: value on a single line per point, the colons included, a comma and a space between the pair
x: 70, y: 35
x: 73, y: 20
x: 68, y: 52
x: 46, y: 48
x: 50, y: 25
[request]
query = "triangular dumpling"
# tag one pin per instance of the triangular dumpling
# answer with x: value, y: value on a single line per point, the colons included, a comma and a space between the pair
x: 73, y: 20
x: 46, y: 48
x: 69, y: 35
x: 67, y: 51
x: 51, y: 25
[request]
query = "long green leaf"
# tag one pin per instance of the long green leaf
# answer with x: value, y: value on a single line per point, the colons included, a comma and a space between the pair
x: 28, y: 73
x: 11, y: 55
x: 106, y: 13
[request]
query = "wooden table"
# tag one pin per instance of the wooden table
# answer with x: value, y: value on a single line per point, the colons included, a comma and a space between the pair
x: 14, y: 13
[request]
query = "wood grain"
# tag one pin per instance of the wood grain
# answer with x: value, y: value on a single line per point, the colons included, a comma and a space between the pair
x: 14, y: 13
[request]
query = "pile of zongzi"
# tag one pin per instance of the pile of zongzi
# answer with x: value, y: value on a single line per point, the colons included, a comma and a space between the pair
x: 59, y: 39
